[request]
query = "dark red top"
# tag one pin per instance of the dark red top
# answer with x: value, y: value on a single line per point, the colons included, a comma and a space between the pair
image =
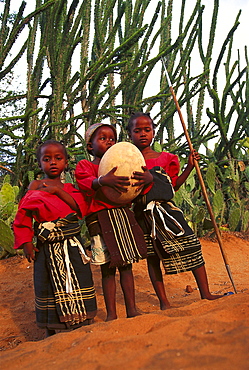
x: 42, y: 206
x: 85, y: 173
x: 169, y: 162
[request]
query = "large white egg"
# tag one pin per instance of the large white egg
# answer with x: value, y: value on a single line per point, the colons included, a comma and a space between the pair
x: 128, y: 158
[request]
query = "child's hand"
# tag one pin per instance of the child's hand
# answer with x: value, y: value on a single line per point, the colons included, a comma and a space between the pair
x: 143, y: 178
x: 29, y: 249
x: 119, y: 183
x: 193, y: 156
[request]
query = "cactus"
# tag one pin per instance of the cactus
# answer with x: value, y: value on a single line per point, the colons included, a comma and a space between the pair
x: 31, y: 175
x: 247, y: 172
x: 8, y: 208
x: 6, y: 238
x: 7, y: 194
x: 190, y: 182
x: 68, y: 178
x: 198, y: 214
x: 178, y: 198
x: 16, y: 191
x: 234, y: 218
x: 157, y: 146
x: 210, y: 177
x: 6, y: 179
x: 218, y: 202
x: 186, y: 196
x: 245, y: 221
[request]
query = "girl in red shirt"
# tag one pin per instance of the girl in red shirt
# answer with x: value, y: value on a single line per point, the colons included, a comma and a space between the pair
x: 173, y: 242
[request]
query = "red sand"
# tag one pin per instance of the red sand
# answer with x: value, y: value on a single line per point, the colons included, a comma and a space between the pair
x: 193, y: 334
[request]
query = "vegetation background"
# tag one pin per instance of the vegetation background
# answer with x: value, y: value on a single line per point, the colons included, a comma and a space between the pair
x: 88, y: 60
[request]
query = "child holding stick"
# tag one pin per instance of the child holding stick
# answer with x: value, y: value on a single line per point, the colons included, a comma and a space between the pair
x: 173, y: 241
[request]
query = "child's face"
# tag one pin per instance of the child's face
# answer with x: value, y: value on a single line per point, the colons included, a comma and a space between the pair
x: 142, y: 132
x: 102, y: 139
x: 53, y: 160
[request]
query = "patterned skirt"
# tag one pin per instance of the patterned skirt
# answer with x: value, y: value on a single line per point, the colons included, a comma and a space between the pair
x: 121, y: 233
x: 169, y: 237
x: 64, y: 291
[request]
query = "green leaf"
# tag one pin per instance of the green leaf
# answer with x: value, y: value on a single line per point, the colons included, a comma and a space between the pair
x: 210, y: 177
x: 178, y: 199
x: 7, y: 194
x: 198, y: 214
x: 247, y: 172
x: 6, y: 210
x: 31, y: 175
x: 246, y: 185
x: 157, y: 147
x: 218, y: 202
x: 68, y: 178
x: 190, y: 182
x: 185, y: 195
x: 6, y: 179
x: 6, y: 237
x: 16, y: 190
x: 234, y: 218
x: 245, y: 221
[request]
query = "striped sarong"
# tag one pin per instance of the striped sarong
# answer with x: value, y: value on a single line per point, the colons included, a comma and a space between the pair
x: 178, y: 253
x: 63, y: 279
x: 166, y: 232
x: 121, y: 233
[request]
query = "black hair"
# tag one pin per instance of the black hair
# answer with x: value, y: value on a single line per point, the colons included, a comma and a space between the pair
x: 48, y: 142
x: 136, y: 115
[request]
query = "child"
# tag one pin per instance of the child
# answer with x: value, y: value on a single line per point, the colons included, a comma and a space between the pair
x: 64, y: 292
x: 112, y: 246
x: 174, y: 242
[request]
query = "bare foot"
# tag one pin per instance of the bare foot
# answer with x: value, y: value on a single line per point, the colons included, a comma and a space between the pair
x: 133, y: 314
x: 212, y: 297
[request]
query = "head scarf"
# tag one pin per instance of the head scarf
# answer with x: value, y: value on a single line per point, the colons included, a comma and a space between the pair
x: 91, y: 129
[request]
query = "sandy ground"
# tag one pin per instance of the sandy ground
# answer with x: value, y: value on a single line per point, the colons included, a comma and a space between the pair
x: 193, y: 334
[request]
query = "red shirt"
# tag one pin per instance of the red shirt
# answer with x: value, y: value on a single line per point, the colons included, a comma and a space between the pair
x: 85, y: 173
x: 42, y: 206
x: 169, y: 162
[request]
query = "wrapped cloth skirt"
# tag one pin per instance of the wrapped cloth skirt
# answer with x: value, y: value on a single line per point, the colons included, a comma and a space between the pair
x: 174, y: 242
x: 64, y: 292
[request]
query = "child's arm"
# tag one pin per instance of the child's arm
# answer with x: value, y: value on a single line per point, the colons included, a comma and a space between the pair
x: 24, y: 232
x: 118, y: 183
x: 63, y: 195
x: 194, y: 156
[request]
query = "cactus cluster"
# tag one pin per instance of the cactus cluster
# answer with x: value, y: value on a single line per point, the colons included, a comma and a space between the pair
x: 8, y: 208
x: 228, y: 191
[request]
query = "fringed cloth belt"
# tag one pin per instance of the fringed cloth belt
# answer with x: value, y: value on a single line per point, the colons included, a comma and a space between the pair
x: 121, y: 233
x: 169, y: 223
x: 59, y: 235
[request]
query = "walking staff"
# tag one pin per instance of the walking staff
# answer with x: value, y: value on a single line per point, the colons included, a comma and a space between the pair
x: 203, y: 187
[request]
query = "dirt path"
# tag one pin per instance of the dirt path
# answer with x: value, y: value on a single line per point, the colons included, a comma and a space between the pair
x: 193, y: 334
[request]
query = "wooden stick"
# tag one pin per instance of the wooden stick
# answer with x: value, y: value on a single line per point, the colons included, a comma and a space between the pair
x: 203, y: 187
